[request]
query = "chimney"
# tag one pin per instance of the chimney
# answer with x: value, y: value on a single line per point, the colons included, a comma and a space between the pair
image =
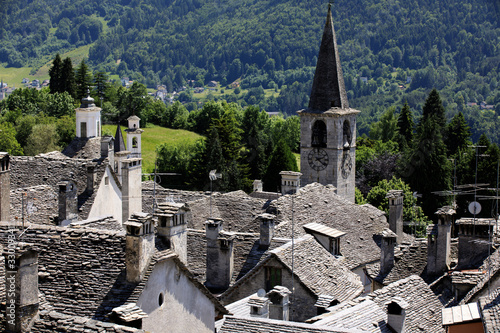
x: 396, y: 212
x: 140, y: 245
x: 279, y: 307
x: 131, y: 187
x: 91, y: 171
x: 257, y: 185
x: 259, y: 305
x: 219, y: 256
x: 439, y: 242
x: 387, y: 251
x: 68, y: 202
x: 4, y: 187
x: 290, y: 182
x: 266, y: 229
x: 172, y: 227
x: 107, y: 148
x: 473, y: 241
x: 396, y: 314
x: 21, y: 286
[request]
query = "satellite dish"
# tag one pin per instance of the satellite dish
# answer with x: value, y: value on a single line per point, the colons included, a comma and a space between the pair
x: 261, y: 293
x: 474, y: 207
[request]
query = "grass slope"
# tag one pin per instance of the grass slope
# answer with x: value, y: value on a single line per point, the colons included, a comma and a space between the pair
x: 14, y: 76
x: 154, y: 136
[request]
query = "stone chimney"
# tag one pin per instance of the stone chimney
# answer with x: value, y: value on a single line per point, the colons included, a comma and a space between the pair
x: 257, y: 185
x: 91, y: 175
x: 4, y: 187
x: 108, y: 148
x: 439, y: 242
x: 396, y: 212
x: 219, y: 256
x: 387, y: 251
x: 279, y: 307
x: 259, y: 305
x: 396, y: 314
x: 266, y: 222
x: 131, y: 187
x: 68, y: 202
x: 21, y: 286
x: 290, y: 182
x: 473, y: 241
x: 140, y: 245
x: 172, y: 227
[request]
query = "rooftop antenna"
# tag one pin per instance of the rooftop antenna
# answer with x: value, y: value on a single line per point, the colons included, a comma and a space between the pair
x: 157, y: 178
x: 213, y: 175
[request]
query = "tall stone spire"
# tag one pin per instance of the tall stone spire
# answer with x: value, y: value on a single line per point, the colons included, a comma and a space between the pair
x: 328, y: 88
x: 119, y: 143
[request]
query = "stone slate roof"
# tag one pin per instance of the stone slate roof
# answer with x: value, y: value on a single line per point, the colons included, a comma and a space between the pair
x: 247, y: 253
x: 366, y: 315
x: 103, y: 222
x: 28, y: 173
x: 482, y: 284
x: 423, y: 313
x: 320, y: 204
x: 490, y: 309
x: 84, y: 148
x: 254, y: 325
x: 165, y: 195
x: 52, y: 321
x: 320, y: 271
x: 470, y: 277
x: 409, y: 259
x: 314, y: 267
x: 82, y: 271
x: 237, y: 209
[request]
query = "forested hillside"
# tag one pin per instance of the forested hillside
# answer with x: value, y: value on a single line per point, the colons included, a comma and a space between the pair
x: 453, y: 46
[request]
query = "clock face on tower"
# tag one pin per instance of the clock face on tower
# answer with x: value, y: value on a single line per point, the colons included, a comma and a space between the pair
x: 318, y: 159
x: 346, y: 165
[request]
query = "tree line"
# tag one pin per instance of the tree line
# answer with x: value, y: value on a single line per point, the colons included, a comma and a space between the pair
x: 428, y: 156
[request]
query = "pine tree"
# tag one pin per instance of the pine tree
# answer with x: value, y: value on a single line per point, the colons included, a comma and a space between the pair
x: 100, y: 83
x: 427, y: 168
x: 457, y: 134
x: 68, y: 77
x: 83, y: 80
x: 282, y: 159
x: 433, y: 107
x: 55, y: 73
x: 406, y: 127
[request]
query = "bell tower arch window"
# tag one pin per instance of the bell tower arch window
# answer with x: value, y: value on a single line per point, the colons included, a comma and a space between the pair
x: 319, y: 134
x: 347, y: 137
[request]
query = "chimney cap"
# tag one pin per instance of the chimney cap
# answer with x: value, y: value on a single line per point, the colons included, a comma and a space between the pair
x: 446, y: 210
x: 267, y: 216
x: 388, y: 233
x: 399, y: 301
x: 393, y: 194
x: 21, y: 248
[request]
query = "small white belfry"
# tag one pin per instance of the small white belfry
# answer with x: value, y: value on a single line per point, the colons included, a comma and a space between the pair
x: 134, y: 136
x: 88, y: 119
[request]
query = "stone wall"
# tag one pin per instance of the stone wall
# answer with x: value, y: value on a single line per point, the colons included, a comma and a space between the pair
x: 40, y: 204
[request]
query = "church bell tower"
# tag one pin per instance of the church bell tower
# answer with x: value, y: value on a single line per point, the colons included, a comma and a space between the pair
x: 328, y: 125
